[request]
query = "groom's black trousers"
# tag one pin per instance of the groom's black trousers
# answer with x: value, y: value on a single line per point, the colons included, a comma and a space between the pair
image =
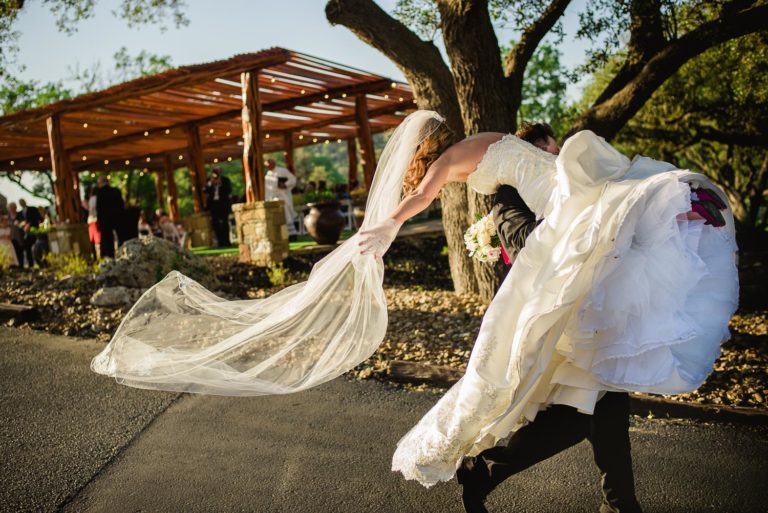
x: 559, y: 426
x: 555, y: 429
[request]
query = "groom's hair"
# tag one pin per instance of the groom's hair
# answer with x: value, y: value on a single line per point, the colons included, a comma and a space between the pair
x: 532, y: 132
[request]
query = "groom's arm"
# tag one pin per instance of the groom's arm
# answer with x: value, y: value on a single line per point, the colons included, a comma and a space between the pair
x: 514, y: 220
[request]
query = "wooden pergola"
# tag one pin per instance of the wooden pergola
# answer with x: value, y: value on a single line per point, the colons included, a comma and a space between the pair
x: 243, y: 107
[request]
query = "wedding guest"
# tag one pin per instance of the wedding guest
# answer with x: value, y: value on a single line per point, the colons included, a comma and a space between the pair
x: 7, y: 249
x: 109, y: 214
x: 144, y: 228
x: 17, y: 233
x: 278, y: 184
x: 94, y: 234
x: 218, y: 191
x: 30, y: 219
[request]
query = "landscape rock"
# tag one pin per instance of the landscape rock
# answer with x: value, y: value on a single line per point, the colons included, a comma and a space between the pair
x: 142, y: 262
x: 111, y: 296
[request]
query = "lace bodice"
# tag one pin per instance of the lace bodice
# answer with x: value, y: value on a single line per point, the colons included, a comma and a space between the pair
x: 515, y: 162
x: 585, y: 162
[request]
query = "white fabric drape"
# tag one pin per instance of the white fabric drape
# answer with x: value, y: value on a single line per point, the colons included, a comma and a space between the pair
x: 179, y: 336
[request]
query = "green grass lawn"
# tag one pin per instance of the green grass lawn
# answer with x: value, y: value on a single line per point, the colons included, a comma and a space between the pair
x: 304, y: 241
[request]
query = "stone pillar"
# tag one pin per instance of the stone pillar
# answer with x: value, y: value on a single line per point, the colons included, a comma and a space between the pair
x: 64, y: 239
x: 199, y: 229
x: 261, y: 232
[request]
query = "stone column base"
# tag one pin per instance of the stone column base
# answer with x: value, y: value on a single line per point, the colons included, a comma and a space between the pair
x: 261, y: 232
x: 64, y: 239
x: 199, y: 229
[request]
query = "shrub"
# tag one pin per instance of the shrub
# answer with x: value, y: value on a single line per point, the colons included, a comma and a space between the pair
x: 70, y: 264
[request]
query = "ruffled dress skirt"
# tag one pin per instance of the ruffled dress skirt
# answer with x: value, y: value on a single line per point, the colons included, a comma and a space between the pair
x: 623, y: 296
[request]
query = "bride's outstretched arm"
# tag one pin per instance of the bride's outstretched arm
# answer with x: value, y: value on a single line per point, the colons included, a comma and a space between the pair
x: 454, y: 165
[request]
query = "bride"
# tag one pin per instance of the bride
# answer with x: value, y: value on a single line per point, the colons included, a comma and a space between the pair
x: 619, y: 288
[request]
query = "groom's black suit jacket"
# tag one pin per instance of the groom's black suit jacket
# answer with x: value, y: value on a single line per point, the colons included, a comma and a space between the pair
x: 513, y: 219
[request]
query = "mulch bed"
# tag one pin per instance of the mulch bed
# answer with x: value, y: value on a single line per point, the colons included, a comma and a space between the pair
x: 428, y: 322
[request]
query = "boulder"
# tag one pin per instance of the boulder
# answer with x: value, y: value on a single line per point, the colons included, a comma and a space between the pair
x: 111, y: 296
x: 142, y: 262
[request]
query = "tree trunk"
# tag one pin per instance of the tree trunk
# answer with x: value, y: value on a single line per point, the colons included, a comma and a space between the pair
x: 485, y: 106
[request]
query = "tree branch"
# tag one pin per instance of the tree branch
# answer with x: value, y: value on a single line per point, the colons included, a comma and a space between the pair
x: 472, y: 48
x: 700, y: 133
x: 420, y: 61
x: 609, y: 116
x: 517, y: 59
x: 645, y: 40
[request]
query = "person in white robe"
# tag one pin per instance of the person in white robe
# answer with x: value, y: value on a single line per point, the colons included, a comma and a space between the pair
x: 279, y: 182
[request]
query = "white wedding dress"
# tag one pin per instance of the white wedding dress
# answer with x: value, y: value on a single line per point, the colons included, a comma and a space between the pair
x: 610, y: 292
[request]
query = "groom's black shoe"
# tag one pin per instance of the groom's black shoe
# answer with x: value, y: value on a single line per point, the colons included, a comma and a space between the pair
x: 473, y: 493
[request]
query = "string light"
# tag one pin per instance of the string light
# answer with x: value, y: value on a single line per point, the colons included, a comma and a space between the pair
x: 273, y: 80
x: 229, y: 133
x: 303, y: 91
x: 401, y: 98
x: 326, y: 141
x: 114, y: 131
x: 386, y: 97
x: 314, y: 139
x: 338, y: 140
x: 148, y: 159
x: 84, y: 158
x: 266, y: 136
x: 394, y: 84
x: 215, y: 160
x: 210, y: 131
x: 106, y: 162
x: 109, y: 177
x: 85, y: 125
x: 167, y: 131
x: 344, y: 95
x: 327, y: 96
x: 13, y: 163
x: 127, y: 162
x: 146, y: 133
x: 229, y: 159
x: 301, y: 137
x: 181, y: 157
x: 40, y: 159
x: 92, y: 174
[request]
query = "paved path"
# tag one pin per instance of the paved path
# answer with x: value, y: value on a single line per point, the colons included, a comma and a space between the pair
x: 74, y: 441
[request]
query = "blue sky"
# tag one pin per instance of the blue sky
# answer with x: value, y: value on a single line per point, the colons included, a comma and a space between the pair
x: 217, y: 30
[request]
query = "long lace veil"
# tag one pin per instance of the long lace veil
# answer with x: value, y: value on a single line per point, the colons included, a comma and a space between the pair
x: 179, y: 336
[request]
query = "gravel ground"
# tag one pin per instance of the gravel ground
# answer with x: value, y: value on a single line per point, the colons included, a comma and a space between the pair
x: 428, y: 322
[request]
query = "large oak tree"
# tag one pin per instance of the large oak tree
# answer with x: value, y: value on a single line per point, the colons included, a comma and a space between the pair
x: 479, y: 91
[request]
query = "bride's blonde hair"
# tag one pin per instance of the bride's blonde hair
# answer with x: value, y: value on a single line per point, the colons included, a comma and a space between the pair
x: 439, y: 139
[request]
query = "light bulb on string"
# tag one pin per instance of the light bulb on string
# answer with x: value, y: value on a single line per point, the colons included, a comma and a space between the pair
x: 114, y: 131
x: 146, y: 133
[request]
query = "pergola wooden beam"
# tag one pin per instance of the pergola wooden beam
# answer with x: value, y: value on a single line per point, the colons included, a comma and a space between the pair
x: 170, y: 180
x: 277, y: 106
x: 288, y: 149
x: 196, y: 167
x: 253, y: 155
x: 367, y: 155
x: 352, y: 159
x: 66, y: 193
x: 373, y: 114
x: 159, y: 189
x: 186, y: 75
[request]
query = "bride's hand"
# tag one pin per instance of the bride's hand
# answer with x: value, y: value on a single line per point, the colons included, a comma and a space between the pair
x: 376, y: 240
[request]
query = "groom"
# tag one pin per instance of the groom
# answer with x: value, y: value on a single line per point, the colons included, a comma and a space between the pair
x: 559, y: 426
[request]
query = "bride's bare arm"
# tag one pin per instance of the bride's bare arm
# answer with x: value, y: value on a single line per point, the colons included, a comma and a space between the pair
x: 454, y: 165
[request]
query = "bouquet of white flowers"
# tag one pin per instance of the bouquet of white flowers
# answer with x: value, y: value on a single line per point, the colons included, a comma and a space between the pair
x: 482, y: 240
